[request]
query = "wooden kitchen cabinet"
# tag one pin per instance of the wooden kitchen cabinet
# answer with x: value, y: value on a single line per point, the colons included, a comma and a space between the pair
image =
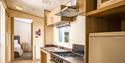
x: 50, y: 18
x: 81, y: 6
x: 103, y: 17
x: 45, y: 57
x: 104, y: 7
x: 104, y: 3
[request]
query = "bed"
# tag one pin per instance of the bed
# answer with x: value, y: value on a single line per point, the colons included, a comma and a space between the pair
x: 17, y: 47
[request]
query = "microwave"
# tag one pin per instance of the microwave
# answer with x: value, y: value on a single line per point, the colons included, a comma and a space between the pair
x: 104, y: 3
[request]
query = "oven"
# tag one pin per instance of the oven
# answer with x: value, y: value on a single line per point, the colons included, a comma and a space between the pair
x: 60, y: 57
x: 56, y: 59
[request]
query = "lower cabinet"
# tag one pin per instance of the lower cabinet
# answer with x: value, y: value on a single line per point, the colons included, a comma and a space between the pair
x: 45, y: 57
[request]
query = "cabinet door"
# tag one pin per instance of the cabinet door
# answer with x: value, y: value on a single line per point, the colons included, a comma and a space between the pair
x: 43, y: 57
x: 48, y: 57
x: 49, y: 19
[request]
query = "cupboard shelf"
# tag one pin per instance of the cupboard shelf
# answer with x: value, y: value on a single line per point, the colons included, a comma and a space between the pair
x: 118, y: 8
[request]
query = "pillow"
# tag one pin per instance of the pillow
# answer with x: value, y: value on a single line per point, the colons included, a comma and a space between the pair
x: 16, y: 42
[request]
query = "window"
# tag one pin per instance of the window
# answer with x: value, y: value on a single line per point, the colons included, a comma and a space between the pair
x: 63, y: 34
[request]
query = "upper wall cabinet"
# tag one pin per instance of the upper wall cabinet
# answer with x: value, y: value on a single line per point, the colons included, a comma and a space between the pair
x: 50, y: 18
x: 104, y: 3
x: 101, y: 8
x: 81, y: 6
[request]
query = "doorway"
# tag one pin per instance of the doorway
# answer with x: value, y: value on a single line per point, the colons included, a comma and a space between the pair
x: 22, y: 39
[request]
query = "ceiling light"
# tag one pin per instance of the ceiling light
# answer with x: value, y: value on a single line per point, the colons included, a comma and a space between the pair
x: 19, y: 8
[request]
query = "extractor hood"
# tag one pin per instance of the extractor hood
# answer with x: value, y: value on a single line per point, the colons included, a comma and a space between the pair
x: 69, y: 10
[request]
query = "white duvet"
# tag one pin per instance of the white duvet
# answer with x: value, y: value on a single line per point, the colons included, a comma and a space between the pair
x: 17, y: 48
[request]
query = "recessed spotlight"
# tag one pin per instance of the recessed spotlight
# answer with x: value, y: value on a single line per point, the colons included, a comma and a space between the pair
x: 19, y: 8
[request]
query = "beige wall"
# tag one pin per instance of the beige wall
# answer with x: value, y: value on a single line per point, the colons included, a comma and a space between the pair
x: 25, y: 36
x: 38, y: 23
x: 77, y: 32
x: 49, y: 35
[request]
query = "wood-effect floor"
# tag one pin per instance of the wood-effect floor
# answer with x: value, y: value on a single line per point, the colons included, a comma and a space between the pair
x: 26, y: 61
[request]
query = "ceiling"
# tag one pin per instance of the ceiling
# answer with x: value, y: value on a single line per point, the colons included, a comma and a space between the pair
x: 34, y: 7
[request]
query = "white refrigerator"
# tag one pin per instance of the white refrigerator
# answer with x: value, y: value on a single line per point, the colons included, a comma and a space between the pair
x: 107, y: 47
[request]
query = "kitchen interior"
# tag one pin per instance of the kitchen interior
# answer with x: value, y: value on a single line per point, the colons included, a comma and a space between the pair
x: 95, y: 35
x: 75, y: 31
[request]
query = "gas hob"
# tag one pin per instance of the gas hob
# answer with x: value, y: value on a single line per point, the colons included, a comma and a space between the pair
x: 67, y: 54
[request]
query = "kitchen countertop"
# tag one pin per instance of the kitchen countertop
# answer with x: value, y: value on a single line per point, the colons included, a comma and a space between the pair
x: 54, y: 49
x: 69, y: 59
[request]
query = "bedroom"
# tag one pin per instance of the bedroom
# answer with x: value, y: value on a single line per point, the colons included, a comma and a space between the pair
x: 22, y: 39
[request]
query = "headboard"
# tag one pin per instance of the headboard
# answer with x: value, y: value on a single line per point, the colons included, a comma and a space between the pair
x: 17, y: 37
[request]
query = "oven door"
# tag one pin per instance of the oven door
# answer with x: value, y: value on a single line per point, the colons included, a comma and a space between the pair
x: 51, y: 61
x: 56, y: 59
